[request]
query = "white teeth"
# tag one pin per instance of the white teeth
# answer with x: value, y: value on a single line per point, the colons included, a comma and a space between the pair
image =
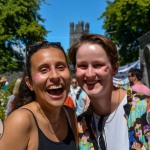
x: 55, y: 87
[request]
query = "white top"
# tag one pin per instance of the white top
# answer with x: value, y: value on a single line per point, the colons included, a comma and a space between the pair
x: 116, y: 131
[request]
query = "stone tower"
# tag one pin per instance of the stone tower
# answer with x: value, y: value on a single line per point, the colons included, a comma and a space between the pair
x: 77, y: 30
x: 144, y: 53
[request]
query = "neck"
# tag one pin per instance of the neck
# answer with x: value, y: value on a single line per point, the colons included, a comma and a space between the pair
x: 105, y: 105
x: 138, y: 82
x: 51, y: 115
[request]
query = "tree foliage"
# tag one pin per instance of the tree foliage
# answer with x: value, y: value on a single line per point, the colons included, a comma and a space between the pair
x: 19, y: 26
x: 125, y: 21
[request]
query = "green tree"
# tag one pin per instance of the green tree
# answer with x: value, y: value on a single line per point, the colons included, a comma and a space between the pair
x: 20, y: 25
x: 125, y: 21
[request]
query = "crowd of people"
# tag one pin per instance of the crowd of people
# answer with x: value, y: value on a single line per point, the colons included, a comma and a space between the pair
x: 56, y: 110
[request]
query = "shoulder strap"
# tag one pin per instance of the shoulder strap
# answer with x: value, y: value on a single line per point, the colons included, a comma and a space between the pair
x: 32, y: 115
x: 88, y: 118
x: 72, y: 127
x: 67, y: 115
x: 78, y: 93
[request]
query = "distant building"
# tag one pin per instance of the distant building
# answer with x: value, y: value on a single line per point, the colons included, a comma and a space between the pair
x: 77, y: 30
x: 144, y: 54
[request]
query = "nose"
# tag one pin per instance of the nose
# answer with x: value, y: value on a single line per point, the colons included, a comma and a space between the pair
x: 90, y: 72
x: 54, y: 75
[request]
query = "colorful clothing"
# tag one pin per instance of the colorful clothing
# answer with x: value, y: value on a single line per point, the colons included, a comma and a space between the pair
x: 141, y: 88
x: 137, y: 114
x: 69, y: 102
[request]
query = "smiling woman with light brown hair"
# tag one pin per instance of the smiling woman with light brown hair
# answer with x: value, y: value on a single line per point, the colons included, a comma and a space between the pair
x: 107, y: 123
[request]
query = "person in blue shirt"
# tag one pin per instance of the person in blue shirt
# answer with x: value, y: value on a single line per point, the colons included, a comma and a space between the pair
x: 81, y: 103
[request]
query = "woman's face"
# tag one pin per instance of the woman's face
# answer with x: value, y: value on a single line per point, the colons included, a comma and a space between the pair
x: 50, y: 76
x: 93, y: 69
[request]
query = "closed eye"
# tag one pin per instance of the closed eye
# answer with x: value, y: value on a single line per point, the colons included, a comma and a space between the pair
x: 44, y: 70
x: 97, y: 65
x: 61, y: 67
x: 82, y: 66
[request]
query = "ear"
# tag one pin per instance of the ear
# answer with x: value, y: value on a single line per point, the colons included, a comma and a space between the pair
x: 115, y: 68
x: 28, y: 83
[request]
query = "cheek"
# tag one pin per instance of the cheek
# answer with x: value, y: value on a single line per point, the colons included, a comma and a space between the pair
x: 38, y: 78
x: 66, y: 77
x: 80, y: 72
x: 104, y: 70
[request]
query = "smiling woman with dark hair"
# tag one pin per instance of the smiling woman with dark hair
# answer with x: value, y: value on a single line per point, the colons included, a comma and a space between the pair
x: 40, y: 121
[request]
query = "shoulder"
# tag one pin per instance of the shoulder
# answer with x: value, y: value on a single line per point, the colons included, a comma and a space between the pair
x: 123, y: 93
x: 18, y: 129
x: 81, y: 94
x: 19, y: 119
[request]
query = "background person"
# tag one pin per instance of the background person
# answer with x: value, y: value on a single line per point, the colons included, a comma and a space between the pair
x: 9, y: 106
x: 82, y: 103
x: 135, y: 78
x: 41, y: 120
x: 3, y: 83
x: 74, y: 90
x: 78, y: 96
x: 110, y: 121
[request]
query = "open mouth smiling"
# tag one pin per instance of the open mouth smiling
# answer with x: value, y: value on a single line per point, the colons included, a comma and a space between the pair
x: 55, y: 90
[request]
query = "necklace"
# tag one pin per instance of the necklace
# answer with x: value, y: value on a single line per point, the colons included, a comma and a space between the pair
x: 115, y: 110
x: 54, y: 125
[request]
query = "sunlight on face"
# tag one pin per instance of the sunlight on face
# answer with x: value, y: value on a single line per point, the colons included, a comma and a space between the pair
x: 92, y: 47
x: 38, y: 77
x: 50, y: 76
x: 93, y: 68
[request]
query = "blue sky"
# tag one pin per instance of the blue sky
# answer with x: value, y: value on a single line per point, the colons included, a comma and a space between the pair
x: 59, y: 14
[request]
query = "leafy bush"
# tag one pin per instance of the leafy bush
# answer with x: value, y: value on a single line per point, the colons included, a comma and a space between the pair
x: 11, y: 86
x: 4, y: 96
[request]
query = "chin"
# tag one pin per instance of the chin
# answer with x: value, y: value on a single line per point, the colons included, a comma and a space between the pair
x: 58, y: 104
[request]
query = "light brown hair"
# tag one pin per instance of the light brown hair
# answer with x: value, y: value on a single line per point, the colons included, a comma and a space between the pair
x: 101, y: 40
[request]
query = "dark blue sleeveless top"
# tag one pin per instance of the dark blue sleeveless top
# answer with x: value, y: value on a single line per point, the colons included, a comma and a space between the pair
x: 46, y: 144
